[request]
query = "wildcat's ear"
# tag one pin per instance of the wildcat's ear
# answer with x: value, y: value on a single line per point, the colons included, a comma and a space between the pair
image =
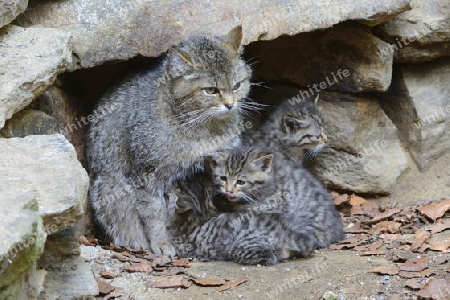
x: 316, y: 100
x: 234, y: 38
x: 291, y: 124
x: 263, y: 161
x: 184, y: 205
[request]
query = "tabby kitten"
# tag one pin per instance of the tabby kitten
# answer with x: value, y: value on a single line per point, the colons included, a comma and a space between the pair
x: 294, y: 129
x: 280, y: 210
x: 160, y: 124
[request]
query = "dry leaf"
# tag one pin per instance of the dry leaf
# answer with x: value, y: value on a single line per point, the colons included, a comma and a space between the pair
x: 418, y: 266
x: 230, y: 284
x: 436, y: 289
x: 171, y: 282
x: 420, y: 238
x: 435, y: 211
x: 120, y: 257
x: 175, y: 271
x: 388, y: 226
x: 143, y: 266
x: 107, y: 275
x: 82, y: 240
x: 424, y: 273
x: 383, y: 216
x: 209, y: 282
x: 339, y: 199
x: 441, y: 225
x: 440, y: 246
x: 104, y: 288
x: 414, y: 283
x: 182, y: 262
x: 356, y: 200
x: 385, y: 270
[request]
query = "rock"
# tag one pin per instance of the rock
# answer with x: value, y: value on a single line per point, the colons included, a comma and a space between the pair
x: 345, y: 58
x: 421, y: 34
x: 10, y: 9
x: 45, y: 168
x: 363, y: 152
x: 69, y: 113
x: 62, y: 192
x: 419, y: 104
x: 69, y: 277
x: 23, y: 238
x: 102, y: 32
x: 43, y: 52
x: 30, y: 122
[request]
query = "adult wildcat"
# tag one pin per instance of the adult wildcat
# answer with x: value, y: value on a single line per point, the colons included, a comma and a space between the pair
x: 160, y: 124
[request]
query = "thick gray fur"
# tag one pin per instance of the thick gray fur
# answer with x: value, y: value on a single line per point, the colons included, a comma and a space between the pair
x: 158, y: 126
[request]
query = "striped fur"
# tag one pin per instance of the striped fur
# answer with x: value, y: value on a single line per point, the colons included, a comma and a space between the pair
x: 291, y: 212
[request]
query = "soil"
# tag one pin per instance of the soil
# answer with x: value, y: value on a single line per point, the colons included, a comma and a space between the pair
x: 343, y: 273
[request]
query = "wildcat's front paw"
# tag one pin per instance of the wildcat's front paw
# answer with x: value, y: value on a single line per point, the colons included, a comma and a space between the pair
x: 161, y: 245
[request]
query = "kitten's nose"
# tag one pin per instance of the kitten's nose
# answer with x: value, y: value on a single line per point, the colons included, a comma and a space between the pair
x: 322, y: 137
x: 229, y: 105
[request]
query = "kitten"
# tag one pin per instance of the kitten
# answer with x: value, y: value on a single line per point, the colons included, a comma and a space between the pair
x: 160, y: 124
x: 295, y: 130
x: 280, y: 210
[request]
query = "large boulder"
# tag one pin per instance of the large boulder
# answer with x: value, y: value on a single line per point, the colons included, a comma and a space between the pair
x: 419, y: 104
x: 10, y: 9
x: 42, y: 52
x: 41, y: 175
x: 346, y: 58
x: 421, y: 34
x: 103, y: 32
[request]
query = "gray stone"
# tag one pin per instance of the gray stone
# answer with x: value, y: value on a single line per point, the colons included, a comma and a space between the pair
x: 102, y: 32
x: 69, y: 277
x: 421, y: 34
x: 363, y: 154
x: 42, y: 52
x: 48, y: 167
x: 23, y: 238
x: 419, y: 104
x: 30, y: 122
x: 345, y: 58
x: 10, y: 9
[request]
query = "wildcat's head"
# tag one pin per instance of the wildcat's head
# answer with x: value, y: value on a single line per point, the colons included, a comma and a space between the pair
x: 298, y: 129
x: 209, y: 82
x: 241, y: 173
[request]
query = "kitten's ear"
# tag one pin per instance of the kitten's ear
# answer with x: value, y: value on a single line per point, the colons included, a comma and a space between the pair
x: 216, y: 158
x: 263, y: 161
x: 184, y: 204
x: 291, y: 124
x: 186, y: 57
x: 234, y: 38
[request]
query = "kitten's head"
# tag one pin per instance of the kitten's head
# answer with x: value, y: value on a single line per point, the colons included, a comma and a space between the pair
x: 241, y: 173
x: 208, y: 80
x: 299, y: 129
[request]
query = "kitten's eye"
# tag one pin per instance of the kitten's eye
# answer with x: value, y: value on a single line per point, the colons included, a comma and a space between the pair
x: 211, y: 90
x: 223, y: 178
x: 237, y: 86
x: 240, y: 182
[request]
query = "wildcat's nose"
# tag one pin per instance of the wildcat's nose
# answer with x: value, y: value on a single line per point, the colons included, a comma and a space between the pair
x: 229, y: 105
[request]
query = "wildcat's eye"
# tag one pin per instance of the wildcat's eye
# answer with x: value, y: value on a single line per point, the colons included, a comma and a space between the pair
x: 237, y: 86
x: 240, y: 182
x: 223, y: 178
x: 211, y: 90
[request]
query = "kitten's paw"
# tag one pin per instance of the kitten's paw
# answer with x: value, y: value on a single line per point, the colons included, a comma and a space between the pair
x: 163, y: 247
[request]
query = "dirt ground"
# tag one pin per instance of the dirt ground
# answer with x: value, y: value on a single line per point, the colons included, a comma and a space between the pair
x: 342, y: 273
